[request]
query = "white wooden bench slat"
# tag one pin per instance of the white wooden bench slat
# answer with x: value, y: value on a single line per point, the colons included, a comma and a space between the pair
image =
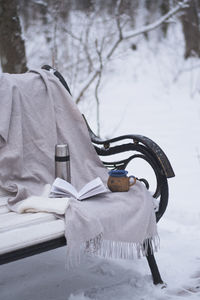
x: 31, y: 235
x: 22, y: 230
x: 12, y: 220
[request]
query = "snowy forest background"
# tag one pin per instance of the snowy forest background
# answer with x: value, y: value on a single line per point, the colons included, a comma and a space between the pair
x: 133, y: 67
x: 83, y: 38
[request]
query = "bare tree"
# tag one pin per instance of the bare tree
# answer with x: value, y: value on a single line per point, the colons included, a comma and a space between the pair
x: 12, y: 49
x: 90, y: 44
x: 164, y: 8
x: 190, y: 22
x: 98, y: 50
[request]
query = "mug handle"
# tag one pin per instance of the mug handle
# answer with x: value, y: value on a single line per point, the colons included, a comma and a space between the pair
x: 134, y: 182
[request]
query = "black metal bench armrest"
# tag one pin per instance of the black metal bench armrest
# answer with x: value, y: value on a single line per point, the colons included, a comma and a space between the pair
x: 138, y: 140
x: 58, y: 75
x: 146, y: 149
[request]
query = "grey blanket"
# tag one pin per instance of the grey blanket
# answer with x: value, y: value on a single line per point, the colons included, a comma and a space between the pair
x: 36, y: 113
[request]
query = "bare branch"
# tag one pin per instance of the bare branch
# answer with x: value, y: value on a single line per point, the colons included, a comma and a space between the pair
x: 70, y: 33
x: 99, y: 53
x: 119, y: 27
x: 98, y: 103
x: 147, y: 28
x: 55, y: 30
x: 86, y: 48
x: 118, y: 19
x: 154, y: 25
x: 97, y: 73
x: 122, y: 37
x: 114, y: 48
x: 86, y: 86
x: 84, y: 42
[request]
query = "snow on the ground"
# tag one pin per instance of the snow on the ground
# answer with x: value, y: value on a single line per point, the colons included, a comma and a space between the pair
x: 153, y: 92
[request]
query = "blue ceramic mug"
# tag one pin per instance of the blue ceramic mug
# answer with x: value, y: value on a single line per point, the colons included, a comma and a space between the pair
x: 118, y: 181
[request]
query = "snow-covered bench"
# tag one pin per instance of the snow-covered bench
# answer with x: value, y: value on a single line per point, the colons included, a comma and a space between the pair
x: 23, y: 235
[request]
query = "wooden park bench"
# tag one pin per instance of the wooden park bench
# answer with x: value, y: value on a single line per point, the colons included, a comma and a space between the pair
x: 24, y: 235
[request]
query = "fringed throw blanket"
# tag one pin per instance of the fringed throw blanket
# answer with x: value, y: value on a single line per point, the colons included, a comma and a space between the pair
x: 36, y: 113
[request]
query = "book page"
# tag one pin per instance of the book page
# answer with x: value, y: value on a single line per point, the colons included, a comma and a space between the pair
x: 63, y: 187
x: 93, y: 192
x: 92, y: 188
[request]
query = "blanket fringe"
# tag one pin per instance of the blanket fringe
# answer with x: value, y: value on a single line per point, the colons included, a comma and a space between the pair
x: 122, y: 250
x: 111, y: 249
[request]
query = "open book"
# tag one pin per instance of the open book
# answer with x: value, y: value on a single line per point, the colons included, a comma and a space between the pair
x: 63, y: 188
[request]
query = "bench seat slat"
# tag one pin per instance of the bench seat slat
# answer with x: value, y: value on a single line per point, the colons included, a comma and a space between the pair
x: 34, y: 234
x: 12, y: 220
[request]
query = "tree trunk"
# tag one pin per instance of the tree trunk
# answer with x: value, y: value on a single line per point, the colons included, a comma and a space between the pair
x: 12, y: 48
x: 191, y: 31
x: 164, y: 8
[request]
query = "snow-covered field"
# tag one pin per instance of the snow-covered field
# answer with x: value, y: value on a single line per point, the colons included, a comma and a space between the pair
x: 153, y: 92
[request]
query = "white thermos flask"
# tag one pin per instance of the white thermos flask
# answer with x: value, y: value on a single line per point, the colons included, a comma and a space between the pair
x: 62, y: 162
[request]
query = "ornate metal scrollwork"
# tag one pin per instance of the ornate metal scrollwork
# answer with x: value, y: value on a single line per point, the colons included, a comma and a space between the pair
x: 145, y: 149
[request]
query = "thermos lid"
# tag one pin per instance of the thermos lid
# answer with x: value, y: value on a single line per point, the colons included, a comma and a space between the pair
x: 61, y: 150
